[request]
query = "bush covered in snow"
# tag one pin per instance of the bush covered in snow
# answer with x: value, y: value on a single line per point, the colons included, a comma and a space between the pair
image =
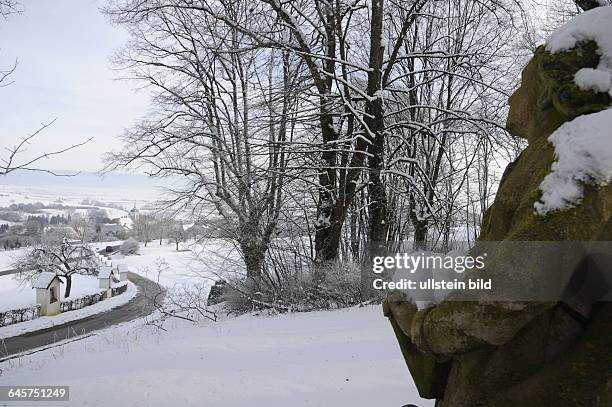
x: 341, y: 288
x: 129, y: 247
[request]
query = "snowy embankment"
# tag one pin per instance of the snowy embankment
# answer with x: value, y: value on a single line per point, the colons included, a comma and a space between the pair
x: 334, y: 358
x: 193, y: 264
x: 48, y: 322
x: 9, y: 257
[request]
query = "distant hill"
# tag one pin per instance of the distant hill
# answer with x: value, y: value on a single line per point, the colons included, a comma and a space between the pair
x: 86, y: 185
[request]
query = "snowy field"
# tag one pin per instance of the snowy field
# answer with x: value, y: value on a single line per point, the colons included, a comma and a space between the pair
x: 9, y: 257
x: 47, y: 198
x: 339, y: 358
x: 115, y: 193
x: 194, y: 264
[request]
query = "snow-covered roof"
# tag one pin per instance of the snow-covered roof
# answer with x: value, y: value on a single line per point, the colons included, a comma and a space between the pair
x: 44, y: 280
x: 105, y: 272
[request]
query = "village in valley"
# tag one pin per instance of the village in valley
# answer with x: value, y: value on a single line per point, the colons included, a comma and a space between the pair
x: 91, y: 238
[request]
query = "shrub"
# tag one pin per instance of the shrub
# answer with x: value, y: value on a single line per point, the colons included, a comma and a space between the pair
x: 299, y: 292
x: 129, y: 247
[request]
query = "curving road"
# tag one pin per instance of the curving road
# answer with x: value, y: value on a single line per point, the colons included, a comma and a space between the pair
x: 139, y: 306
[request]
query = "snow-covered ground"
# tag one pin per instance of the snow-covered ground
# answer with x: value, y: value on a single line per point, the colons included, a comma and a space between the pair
x: 340, y: 358
x: 17, y: 294
x: 192, y: 264
x: 9, y: 257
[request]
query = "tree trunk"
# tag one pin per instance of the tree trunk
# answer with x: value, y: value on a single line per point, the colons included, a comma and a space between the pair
x: 420, y: 235
x: 375, y: 122
x: 377, y: 194
x: 327, y: 244
x: 354, y: 233
x: 253, y: 260
x: 68, y: 286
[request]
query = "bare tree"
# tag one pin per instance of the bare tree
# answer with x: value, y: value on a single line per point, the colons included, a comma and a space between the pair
x: 163, y: 227
x: 222, y: 121
x: 83, y: 227
x: 144, y: 226
x: 361, y: 102
x: 177, y: 234
x: 58, y: 255
x: 443, y: 108
x: 8, y: 7
x: 11, y: 159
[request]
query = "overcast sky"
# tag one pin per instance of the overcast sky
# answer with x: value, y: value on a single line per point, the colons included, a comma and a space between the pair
x: 63, y: 48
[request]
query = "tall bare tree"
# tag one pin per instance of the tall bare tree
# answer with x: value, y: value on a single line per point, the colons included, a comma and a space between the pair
x: 56, y: 254
x: 365, y: 78
x: 223, y: 117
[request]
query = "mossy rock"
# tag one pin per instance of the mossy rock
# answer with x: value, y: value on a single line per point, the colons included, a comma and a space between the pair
x: 216, y: 294
x: 557, y: 73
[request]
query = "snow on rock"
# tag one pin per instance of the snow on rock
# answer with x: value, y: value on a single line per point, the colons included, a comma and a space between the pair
x: 583, y: 150
x: 597, y: 80
x: 583, y: 146
x: 328, y: 358
x: 593, y: 25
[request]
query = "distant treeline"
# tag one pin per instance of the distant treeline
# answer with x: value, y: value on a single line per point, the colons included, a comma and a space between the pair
x: 45, y: 220
x: 35, y: 208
